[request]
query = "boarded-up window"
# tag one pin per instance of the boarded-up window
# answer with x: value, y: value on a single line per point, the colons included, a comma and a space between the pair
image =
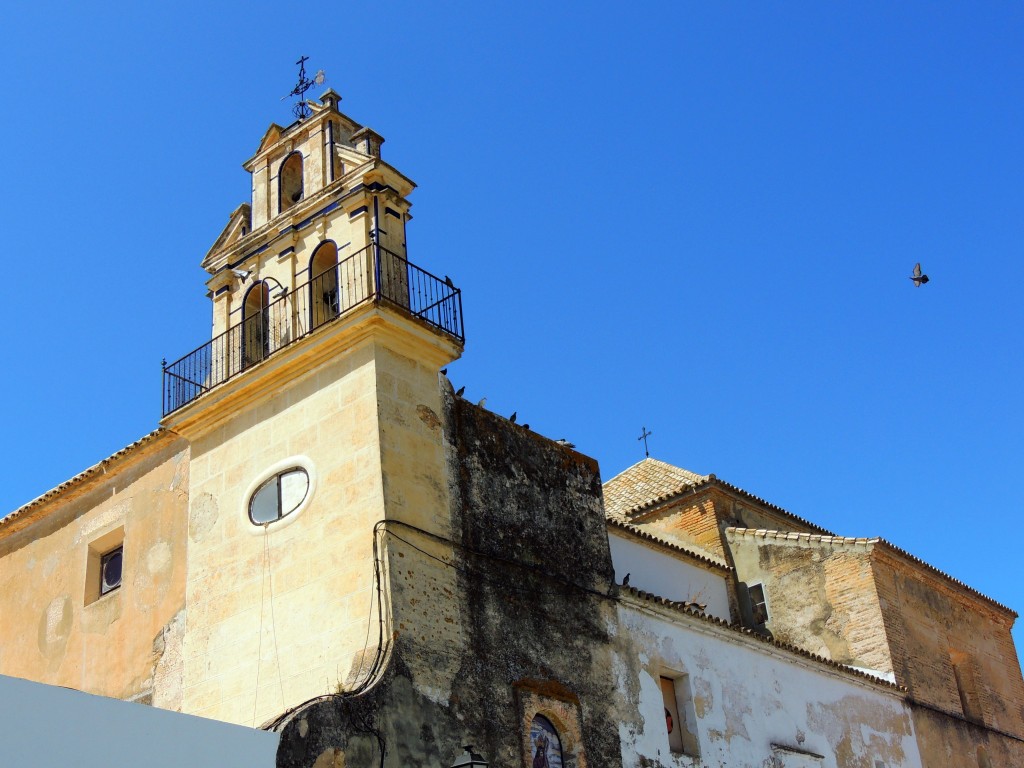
x: 672, y: 720
x: 679, y: 716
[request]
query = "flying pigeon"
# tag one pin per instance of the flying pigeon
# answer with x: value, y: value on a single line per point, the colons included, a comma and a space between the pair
x: 459, y: 391
x: 917, y: 277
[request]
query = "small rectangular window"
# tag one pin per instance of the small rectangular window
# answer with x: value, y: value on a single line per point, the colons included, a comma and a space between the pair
x: 679, y: 715
x: 104, y: 565
x: 758, y: 605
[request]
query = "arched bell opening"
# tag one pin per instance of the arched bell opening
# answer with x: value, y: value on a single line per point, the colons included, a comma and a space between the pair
x: 324, y: 297
x: 256, y: 324
x: 289, y: 182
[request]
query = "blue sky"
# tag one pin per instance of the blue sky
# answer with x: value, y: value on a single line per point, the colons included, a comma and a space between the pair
x: 698, y: 218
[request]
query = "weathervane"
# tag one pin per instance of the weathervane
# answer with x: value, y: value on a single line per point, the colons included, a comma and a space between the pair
x: 644, y: 434
x: 301, y: 110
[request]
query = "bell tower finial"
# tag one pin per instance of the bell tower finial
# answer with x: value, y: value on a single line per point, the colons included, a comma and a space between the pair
x: 301, y: 110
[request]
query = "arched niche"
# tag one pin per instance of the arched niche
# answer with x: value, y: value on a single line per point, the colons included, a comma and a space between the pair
x: 545, y: 743
x: 289, y: 182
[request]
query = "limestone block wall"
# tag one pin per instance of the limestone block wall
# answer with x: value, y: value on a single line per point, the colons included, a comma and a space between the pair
x: 55, y: 627
x: 318, y: 567
x: 750, y: 703
x: 422, y: 586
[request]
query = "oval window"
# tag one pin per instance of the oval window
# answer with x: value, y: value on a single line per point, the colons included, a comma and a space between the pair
x: 279, y: 496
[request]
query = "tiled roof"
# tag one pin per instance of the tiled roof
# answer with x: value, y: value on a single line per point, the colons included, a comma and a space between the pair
x: 642, y: 533
x: 643, y: 482
x: 81, y: 477
x: 848, y: 542
x: 689, y: 610
x: 651, y: 483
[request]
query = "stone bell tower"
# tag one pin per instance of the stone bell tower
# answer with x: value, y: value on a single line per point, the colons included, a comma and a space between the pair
x: 313, y: 414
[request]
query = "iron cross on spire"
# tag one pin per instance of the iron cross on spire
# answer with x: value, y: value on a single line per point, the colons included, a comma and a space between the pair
x: 301, y: 109
x: 644, y: 434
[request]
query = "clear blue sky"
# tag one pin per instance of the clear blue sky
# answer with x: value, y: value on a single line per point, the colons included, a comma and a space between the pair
x: 698, y: 218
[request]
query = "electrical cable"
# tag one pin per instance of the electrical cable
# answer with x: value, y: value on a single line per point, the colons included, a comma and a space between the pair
x: 259, y: 651
x: 273, y: 622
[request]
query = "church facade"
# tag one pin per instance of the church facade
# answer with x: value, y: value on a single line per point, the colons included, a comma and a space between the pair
x: 323, y: 539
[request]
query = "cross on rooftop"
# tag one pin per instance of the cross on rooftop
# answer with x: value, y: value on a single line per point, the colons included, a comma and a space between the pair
x: 301, y: 110
x: 644, y: 434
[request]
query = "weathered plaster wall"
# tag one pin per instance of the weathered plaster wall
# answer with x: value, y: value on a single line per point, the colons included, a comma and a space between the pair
x: 532, y: 568
x: 655, y: 570
x: 121, y: 644
x: 820, y: 597
x: 748, y: 696
x: 933, y: 626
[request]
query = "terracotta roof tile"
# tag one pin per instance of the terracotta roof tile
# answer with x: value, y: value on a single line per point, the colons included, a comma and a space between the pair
x: 83, y: 476
x: 644, y: 482
x: 650, y: 483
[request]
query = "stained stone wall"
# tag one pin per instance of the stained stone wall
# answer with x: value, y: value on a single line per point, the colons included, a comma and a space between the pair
x: 534, y: 600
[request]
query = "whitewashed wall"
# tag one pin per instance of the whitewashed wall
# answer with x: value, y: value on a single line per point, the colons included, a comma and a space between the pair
x: 754, y: 704
x: 656, y: 571
x: 42, y: 725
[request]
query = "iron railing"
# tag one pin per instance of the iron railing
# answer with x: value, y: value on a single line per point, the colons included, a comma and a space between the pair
x: 373, y: 274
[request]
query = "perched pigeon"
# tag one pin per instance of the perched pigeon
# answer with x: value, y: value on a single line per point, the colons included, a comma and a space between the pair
x: 448, y: 282
x: 512, y: 418
x: 482, y: 403
x: 565, y: 442
x: 459, y: 391
x: 625, y: 580
x: 526, y: 426
x: 917, y: 277
x: 444, y: 371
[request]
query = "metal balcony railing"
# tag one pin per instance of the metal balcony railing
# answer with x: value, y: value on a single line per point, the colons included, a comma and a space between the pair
x: 373, y: 274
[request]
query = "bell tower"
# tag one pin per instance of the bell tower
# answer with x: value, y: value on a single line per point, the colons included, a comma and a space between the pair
x: 313, y: 413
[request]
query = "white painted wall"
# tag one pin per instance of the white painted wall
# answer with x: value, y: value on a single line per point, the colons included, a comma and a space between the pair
x: 51, y: 726
x: 657, y: 571
x: 748, y: 696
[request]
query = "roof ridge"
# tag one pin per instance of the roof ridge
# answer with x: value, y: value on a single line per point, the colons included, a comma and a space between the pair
x: 81, y: 477
x: 712, y: 479
x: 860, y: 541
